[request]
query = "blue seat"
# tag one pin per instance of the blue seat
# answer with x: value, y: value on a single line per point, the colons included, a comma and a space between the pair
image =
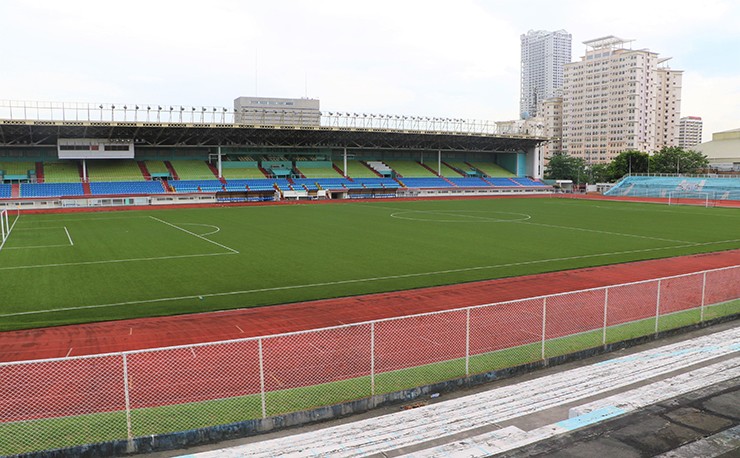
x: 127, y: 187
x: 5, y: 191
x: 51, y: 189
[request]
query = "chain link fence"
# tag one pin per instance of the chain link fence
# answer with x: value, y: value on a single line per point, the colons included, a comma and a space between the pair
x: 49, y: 404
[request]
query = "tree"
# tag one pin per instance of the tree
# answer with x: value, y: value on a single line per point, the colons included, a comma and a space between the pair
x: 677, y: 160
x: 564, y: 167
x: 600, y: 173
x: 629, y: 161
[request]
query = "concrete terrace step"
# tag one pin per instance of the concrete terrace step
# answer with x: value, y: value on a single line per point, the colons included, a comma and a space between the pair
x: 410, y: 428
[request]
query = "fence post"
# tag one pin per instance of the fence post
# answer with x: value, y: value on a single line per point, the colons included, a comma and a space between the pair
x: 703, y: 291
x: 544, y: 319
x: 262, y: 378
x: 657, y: 308
x: 606, y: 307
x: 372, y: 358
x: 467, y: 342
x: 127, y: 399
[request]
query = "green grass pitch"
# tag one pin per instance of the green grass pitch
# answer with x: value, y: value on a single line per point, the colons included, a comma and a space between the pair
x: 80, y: 267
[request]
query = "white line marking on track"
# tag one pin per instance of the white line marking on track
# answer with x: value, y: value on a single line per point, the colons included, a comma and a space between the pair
x: 69, y: 236
x: 69, y: 352
x: 359, y: 280
x: 240, y: 329
x: 194, y: 234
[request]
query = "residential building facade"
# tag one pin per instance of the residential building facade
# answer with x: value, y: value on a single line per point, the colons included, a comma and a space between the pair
x: 617, y: 99
x: 543, y: 55
x: 689, y: 131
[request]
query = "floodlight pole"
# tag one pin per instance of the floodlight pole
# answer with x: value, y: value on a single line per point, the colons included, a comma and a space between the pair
x: 84, y: 171
x: 439, y: 162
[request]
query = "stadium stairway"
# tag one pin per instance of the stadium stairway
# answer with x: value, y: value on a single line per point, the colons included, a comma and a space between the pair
x: 453, y: 168
x: 215, y: 172
x: 86, y: 188
x: 374, y: 171
x: 39, y: 172
x: 15, y: 190
x: 171, y: 169
x: 144, y: 171
x: 428, y: 168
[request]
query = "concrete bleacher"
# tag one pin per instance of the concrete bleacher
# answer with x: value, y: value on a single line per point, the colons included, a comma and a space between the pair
x: 408, y: 169
x: 192, y: 170
x: 127, y: 187
x: 51, y: 189
x: 61, y: 172
x: 662, y: 187
x: 492, y: 169
x: 356, y: 169
x: 114, y: 170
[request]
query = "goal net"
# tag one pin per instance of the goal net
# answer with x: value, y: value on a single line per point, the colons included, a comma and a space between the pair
x: 698, y: 198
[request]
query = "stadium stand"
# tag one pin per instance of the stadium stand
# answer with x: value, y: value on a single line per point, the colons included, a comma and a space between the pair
x: 380, y: 167
x: 458, y: 168
x: 317, y: 169
x: 61, y: 172
x: 193, y: 170
x: 472, y: 182
x: 17, y: 170
x: 425, y: 182
x: 491, y: 169
x: 502, y: 182
x: 157, y: 168
x: 408, y: 169
x: 355, y: 169
x: 378, y: 182
x: 251, y: 184
x: 524, y: 181
x: 51, y: 189
x: 249, y: 170
x: 113, y: 170
x: 127, y: 187
x: 5, y: 191
x: 212, y: 185
x: 645, y: 186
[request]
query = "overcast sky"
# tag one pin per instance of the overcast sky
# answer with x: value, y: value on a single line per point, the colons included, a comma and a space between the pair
x: 432, y: 58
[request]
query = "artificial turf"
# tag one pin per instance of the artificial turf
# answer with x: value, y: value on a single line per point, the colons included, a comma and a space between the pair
x: 73, y: 268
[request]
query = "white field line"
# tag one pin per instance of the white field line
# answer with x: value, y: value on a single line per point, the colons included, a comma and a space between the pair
x: 68, y: 236
x: 66, y: 245
x: 42, y: 221
x: 602, y: 232
x: 195, y: 235
x: 112, y: 261
x: 527, y: 221
x: 39, y: 228
x: 333, y: 283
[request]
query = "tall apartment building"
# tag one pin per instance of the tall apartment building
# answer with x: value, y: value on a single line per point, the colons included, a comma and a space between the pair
x: 689, y: 131
x: 543, y: 56
x: 617, y: 99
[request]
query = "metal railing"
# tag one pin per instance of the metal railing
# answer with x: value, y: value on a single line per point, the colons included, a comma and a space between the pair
x: 55, y: 403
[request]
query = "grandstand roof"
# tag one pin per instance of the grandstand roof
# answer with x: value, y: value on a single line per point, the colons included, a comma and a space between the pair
x: 46, y: 133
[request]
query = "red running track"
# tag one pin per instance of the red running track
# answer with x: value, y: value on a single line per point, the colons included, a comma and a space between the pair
x: 137, y: 334
x: 66, y: 387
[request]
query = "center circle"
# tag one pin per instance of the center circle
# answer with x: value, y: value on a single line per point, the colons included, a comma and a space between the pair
x: 461, y: 216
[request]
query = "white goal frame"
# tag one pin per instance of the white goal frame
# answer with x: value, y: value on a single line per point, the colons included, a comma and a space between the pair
x: 697, y: 198
x: 5, y: 226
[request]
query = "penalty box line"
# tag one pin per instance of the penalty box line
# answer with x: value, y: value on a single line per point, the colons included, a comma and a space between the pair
x: 194, y: 234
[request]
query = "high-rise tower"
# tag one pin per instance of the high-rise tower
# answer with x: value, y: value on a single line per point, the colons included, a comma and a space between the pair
x: 543, y: 56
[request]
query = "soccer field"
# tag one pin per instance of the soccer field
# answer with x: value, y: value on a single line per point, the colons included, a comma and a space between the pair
x: 81, y: 267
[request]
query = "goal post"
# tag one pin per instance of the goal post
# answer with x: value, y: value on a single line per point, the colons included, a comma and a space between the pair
x: 6, y: 225
x: 697, y: 198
